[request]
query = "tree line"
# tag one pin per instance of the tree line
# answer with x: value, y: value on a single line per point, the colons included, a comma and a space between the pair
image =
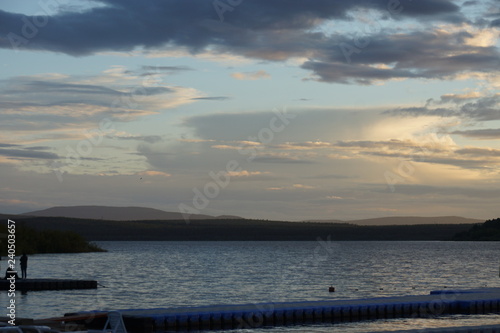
x: 29, y: 241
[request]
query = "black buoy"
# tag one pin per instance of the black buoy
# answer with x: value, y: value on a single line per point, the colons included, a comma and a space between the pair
x: 331, y: 289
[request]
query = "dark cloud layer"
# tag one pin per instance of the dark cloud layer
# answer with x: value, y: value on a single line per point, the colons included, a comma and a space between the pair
x: 212, y: 98
x: 489, y: 133
x: 146, y: 138
x: 263, y: 29
x: 27, y: 153
x: 432, y: 54
x: 125, y: 24
x: 5, y: 145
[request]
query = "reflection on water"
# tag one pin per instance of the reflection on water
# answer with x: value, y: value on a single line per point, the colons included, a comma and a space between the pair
x: 383, y: 325
x: 165, y: 274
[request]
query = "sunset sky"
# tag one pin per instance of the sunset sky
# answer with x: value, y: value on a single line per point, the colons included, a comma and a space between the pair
x: 272, y: 109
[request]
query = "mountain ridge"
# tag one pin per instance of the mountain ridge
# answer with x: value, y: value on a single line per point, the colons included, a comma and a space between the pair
x: 133, y: 213
x: 114, y: 213
x: 410, y: 220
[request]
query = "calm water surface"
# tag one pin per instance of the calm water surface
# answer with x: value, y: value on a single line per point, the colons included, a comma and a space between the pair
x: 167, y: 274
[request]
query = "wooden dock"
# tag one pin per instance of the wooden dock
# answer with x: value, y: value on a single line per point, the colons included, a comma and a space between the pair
x: 48, y: 284
x: 217, y: 317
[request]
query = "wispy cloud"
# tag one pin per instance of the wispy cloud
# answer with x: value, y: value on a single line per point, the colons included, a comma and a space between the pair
x: 127, y: 136
x: 292, y: 187
x: 56, y: 103
x: 251, y: 75
x: 481, y: 134
x: 481, y: 108
x: 212, y: 98
x: 153, y: 173
x: 27, y: 153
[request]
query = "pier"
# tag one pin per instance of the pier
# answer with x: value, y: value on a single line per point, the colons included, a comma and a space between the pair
x: 48, y: 284
x: 217, y: 317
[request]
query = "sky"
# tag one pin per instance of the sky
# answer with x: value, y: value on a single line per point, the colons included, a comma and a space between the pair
x: 268, y: 109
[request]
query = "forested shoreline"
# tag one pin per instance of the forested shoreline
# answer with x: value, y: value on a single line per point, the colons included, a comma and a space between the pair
x: 240, y: 230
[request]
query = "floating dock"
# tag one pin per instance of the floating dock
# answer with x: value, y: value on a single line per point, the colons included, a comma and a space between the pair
x: 463, y: 329
x: 48, y: 284
x: 217, y: 317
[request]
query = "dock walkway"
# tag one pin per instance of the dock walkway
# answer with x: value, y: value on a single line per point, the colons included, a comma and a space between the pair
x: 216, y: 317
x: 48, y: 284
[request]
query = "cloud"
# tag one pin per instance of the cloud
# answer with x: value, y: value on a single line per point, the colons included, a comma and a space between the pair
x: 153, y: 173
x: 165, y: 69
x: 357, y: 140
x: 483, y: 108
x: 215, y: 126
x: 328, y: 176
x: 433, y: 191
x: 481, y: 152
x: 27, y: 153
x: 245, y: 174
x: 304, y: 145
x: 145, y: 138
x: 156, y: 24
x: 251, y: 75
x: 213, y: 98
x: 272, y: 158
x: 226, y: 147
x: 473, y: 163
x: 437, y: 54
x: 334, y: 197
x: 292, y: 187
x: 425, y: 144
x: 43, y: 107
x: 238, y: 145
x: 482, y: 134
x: 457, y: 98
x: 438, y: 151
x: 271, y: 30
x: 327, y: 124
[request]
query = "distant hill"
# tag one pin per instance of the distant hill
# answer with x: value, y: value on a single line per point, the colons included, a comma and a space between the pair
x: 325, y: 221
x: 404, y: 220
x: 119, y: 213
x: 143, y: 213
x: 413, y: 220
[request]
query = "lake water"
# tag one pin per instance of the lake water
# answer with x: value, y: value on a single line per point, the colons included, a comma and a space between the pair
x: 168, y: 274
